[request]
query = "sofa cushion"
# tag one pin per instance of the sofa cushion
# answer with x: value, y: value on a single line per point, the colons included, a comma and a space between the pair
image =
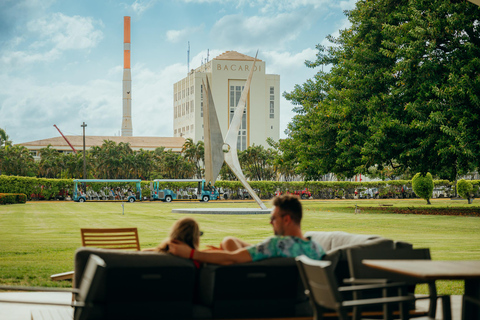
x: 141, y: 285
x: 262, y: 289
x: 330, y: 240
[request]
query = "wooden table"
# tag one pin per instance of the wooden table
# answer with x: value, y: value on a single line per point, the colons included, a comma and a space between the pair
x: 440, y: 270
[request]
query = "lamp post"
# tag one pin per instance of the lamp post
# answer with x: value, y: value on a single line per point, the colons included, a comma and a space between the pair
x: 84, y: 162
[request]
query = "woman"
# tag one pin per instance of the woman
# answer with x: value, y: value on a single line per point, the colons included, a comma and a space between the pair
x: 185, y: 230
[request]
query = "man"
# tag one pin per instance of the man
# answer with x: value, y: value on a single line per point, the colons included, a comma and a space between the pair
x: 288, y: 241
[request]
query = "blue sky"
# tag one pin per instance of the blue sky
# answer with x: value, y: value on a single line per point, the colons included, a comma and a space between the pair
x: 61, y: 61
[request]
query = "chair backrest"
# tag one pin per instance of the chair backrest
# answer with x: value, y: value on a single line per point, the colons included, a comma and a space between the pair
x: 92, y: 279
x: 359, y: 271
x: 140, y: 285
x: 263, y: 289
x: 118, y: 238
x: 319, y: 282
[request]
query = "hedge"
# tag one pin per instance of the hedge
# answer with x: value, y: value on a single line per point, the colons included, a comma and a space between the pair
x: 39, y: 188
x: 12, y: 198
x: 36, y: 188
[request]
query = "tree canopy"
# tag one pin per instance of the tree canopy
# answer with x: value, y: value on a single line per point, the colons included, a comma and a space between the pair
x: 402, y: 92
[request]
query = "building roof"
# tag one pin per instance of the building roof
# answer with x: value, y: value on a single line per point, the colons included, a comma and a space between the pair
x: 135, y: 142
x: 234, y: 55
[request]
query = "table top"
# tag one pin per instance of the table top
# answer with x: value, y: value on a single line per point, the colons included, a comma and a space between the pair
x: 430, y: 269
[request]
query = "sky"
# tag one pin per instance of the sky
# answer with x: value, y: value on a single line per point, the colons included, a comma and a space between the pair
x: 61, y: 61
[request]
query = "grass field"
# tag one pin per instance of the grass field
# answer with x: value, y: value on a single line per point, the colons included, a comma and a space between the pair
x: 38, y: 239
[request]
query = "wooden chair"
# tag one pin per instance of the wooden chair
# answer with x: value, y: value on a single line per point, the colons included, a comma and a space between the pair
x: 90, y: 285
x: 324, y: 293
x: 117, y: 238
x: 361, y: 274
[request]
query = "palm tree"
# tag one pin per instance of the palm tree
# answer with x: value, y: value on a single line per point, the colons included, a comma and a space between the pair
x: 17, y: 160
x: 194, y: 152
x: 50, y: 165
x: 4, y: 140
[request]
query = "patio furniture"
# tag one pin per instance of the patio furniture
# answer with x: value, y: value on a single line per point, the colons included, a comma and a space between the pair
x: 324, y: 293
x: 111, y: 238
x: 108, y: 238
x: 361, y: 274
x: 249, y: 289
x: 141, y: 285
x: 441, y: 270
x: 84, y: 301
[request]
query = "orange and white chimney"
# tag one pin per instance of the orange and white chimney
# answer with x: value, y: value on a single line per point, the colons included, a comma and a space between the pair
x: 127, y: 130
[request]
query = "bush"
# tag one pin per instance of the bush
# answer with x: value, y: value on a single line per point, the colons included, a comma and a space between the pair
x: 464, y: 189
x: 423, y: 186
x: 12, y: 198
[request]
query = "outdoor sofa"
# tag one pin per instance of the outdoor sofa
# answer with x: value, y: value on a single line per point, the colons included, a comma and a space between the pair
x: 147, y: 285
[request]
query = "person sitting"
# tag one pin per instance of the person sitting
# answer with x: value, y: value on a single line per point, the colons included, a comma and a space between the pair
x: 185, y: 230
x: 288, y: 241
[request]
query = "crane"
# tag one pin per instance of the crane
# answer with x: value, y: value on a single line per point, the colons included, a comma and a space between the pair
x: 74, y: 151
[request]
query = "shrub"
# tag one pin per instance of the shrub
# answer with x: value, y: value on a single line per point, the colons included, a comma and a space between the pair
x: 423, y: 186
x: 464, y: 189
x: 12, y: 198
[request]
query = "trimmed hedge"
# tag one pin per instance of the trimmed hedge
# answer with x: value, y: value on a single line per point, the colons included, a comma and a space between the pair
x: 36, y: 188
x: 12, y: 198
x: 39, y: 188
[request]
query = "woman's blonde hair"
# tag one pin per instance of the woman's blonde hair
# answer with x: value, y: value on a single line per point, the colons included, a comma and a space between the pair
x: 185, y: 230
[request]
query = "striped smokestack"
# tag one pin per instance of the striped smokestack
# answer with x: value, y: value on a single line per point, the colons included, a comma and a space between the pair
x: 127, y: 130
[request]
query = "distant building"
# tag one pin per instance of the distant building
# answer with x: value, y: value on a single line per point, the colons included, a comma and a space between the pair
x: 136, y: 143
x: 227, y: 75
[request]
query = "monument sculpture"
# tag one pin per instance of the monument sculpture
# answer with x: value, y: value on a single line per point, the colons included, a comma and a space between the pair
x: 218, y: 150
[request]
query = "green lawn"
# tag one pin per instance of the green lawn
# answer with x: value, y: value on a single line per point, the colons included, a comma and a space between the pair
x: 38, y: 239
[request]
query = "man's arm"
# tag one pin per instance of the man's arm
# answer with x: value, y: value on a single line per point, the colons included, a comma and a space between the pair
x: 216, y: 257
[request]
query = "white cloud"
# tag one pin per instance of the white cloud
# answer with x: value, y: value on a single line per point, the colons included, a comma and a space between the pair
x: 20, y: 58
x: 347, y: 4
x: 66, y: 33
x: 53, y: 35
x: 152, y: 102
x: 29, y: 109
x: 286, y: 63
x: 140, y: 6
x: 179, y: 35
x: 259, y: 31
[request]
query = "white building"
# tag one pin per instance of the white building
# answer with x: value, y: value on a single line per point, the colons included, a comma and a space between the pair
x: 136, y: 143
x: 227, y: 75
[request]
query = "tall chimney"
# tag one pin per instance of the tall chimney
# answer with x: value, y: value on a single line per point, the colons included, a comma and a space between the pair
x: 127, y: 130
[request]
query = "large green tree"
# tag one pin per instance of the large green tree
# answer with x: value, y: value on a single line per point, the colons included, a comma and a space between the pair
x: 402, y: 91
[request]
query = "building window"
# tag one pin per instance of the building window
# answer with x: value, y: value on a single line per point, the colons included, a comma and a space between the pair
x: 191, y: 90
x: 191, y: 127
x: 175, y: 132
x: 33, y: 153
x: 235, y: 94
x: 187, y: 107
x: 272, y: 103
x: 192, y: 109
